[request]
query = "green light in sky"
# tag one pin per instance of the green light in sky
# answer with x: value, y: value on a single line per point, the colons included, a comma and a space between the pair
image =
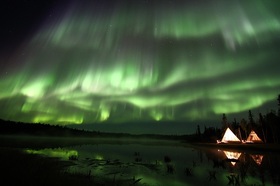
x: 161, y: 62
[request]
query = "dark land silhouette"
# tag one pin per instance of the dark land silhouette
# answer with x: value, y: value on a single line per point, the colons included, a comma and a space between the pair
x: 47, y: 130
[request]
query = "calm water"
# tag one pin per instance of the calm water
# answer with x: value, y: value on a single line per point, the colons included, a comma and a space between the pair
x: 169, y: 165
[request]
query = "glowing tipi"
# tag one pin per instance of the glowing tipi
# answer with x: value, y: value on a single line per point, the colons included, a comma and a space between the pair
x: 229, y: 137
x: 253, y: 138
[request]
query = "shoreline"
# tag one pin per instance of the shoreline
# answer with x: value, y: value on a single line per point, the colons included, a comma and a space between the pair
x: 24, y: 141
x: 260, y: 147
x: 43, y: 141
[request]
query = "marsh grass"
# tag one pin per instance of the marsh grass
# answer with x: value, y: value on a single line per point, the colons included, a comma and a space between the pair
x: 19, y: 168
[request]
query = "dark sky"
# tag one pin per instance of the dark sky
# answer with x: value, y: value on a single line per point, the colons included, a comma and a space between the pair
x: 187, y: 62
x: 20, y: 19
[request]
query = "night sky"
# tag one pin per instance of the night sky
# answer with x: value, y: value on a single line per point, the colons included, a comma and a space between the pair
x: 138, y: 61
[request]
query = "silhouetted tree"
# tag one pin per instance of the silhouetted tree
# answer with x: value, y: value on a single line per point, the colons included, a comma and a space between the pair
x: 263, y: 126
x: 251, y: 122
x: 224, y: 122
x: 234, y: 124
x: 210, y: 134
x: 236, y: 128
x: 250, y: 117
x: 278, y: 105
x: 198, y: 130
x: 273, y: 122
x: 243, y: 125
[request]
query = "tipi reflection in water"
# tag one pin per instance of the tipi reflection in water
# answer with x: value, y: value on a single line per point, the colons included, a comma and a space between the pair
x: 232, y: 156
x: 257, y: 158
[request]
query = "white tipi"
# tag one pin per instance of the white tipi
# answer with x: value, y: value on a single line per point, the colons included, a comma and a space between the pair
x: 230, y: 137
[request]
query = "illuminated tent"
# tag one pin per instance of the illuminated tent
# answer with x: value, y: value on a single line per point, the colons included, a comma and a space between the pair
x: 230, y: 137
x: 253, y: 138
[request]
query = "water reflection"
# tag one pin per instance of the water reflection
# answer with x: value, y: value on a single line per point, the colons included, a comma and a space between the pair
x: 243, y: 168
x: 257, y: 158
x: 232, y: 156
x: 135, y: 164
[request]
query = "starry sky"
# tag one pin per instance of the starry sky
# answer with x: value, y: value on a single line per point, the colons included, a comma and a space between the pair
x: 138, y: 61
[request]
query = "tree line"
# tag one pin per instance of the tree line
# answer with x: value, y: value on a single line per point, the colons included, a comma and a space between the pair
x: 40, y: 129
x: 267, y: 126
x: 47, y: 130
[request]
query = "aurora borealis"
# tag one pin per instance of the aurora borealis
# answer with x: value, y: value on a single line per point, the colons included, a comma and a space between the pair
x: 121, y: 61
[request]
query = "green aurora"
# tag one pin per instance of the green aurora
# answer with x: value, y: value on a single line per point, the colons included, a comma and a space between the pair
x: 145, y: 61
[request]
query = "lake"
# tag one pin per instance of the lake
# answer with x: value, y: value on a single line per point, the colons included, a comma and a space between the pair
x: 166, y: 163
